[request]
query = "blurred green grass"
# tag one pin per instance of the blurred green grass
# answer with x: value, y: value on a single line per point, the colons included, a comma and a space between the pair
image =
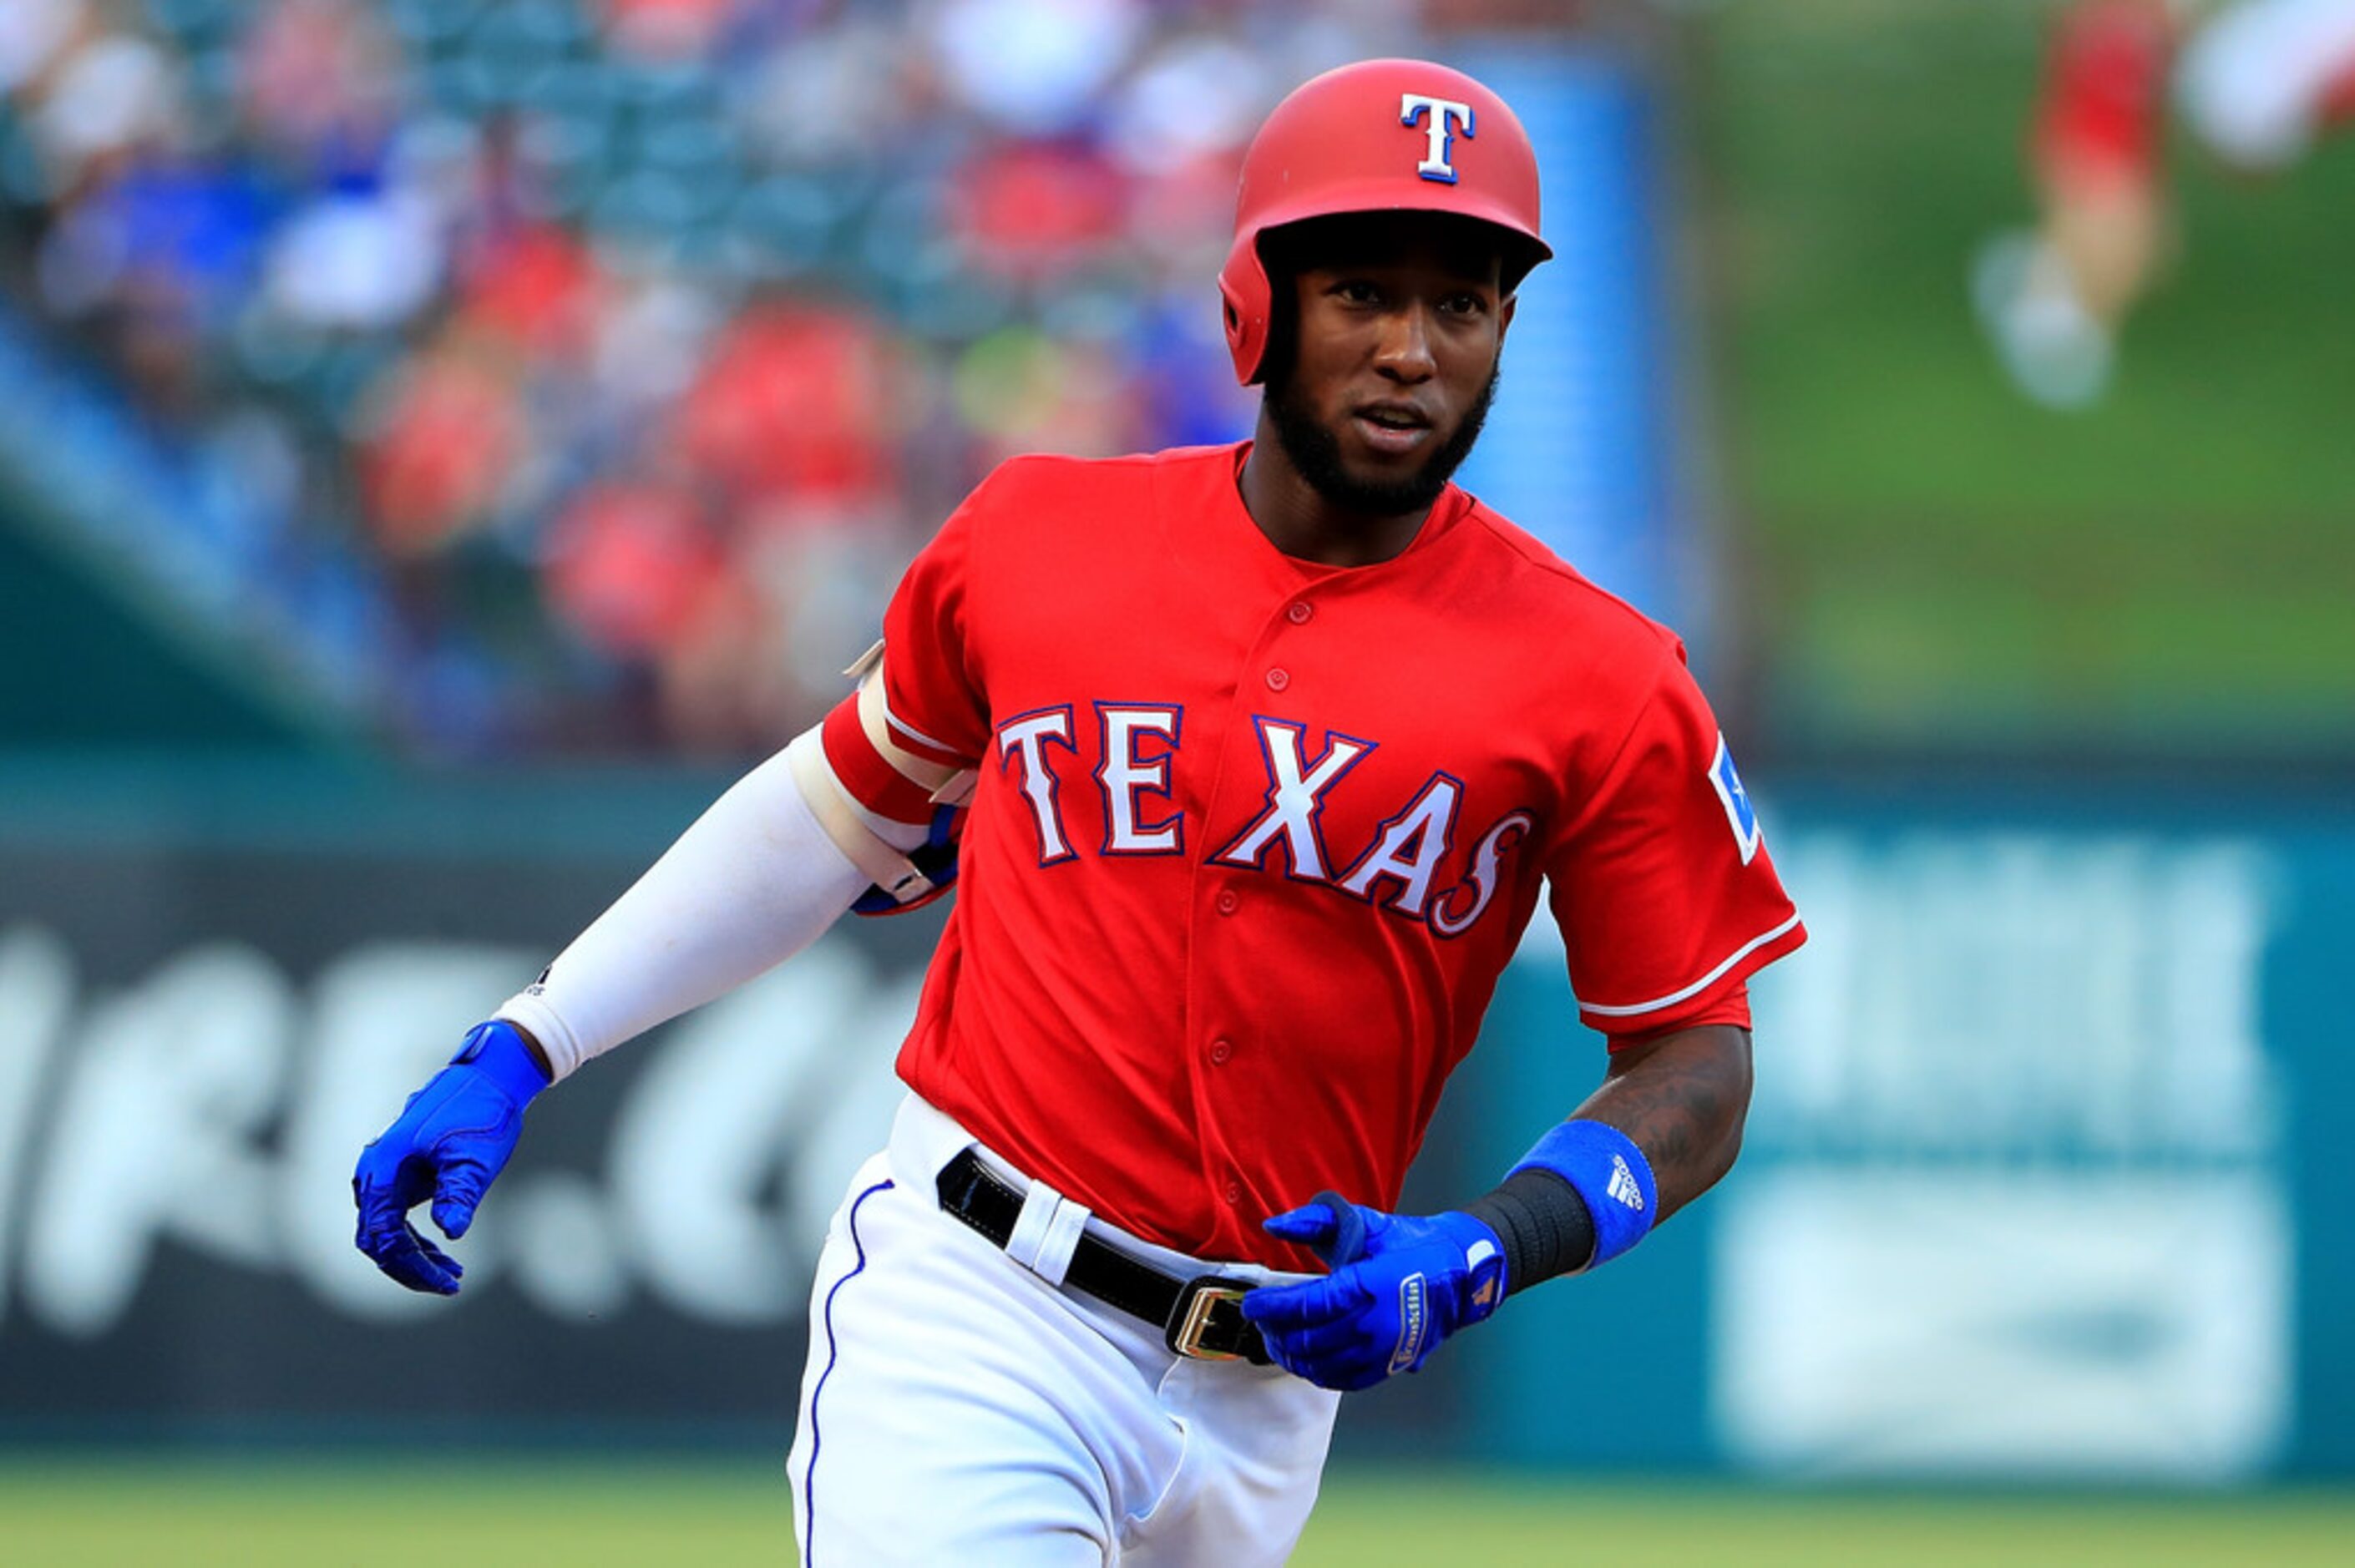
x: 1940, y: 565
x: 98, y: 1513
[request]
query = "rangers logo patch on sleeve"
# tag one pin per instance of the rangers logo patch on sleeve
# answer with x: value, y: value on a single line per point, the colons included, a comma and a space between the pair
x: 1739, y: 811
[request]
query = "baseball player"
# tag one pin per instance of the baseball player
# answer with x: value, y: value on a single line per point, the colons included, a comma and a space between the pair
x: 2255, y: 82
x: 1250, y: 762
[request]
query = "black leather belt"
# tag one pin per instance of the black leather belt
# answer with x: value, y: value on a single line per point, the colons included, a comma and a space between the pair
x: 1200, y: 1317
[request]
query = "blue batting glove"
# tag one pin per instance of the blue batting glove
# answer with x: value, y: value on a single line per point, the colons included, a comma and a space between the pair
x: 1401, y: 1284
x: 450, y: 1142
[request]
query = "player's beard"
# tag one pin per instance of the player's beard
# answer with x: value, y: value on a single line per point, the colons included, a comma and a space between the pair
x: 1316, y: 452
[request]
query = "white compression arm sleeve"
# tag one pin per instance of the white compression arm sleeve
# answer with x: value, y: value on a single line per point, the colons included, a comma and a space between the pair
x: 754, y: 882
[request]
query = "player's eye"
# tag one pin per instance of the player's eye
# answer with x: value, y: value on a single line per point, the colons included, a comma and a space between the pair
x: 1356, y: 292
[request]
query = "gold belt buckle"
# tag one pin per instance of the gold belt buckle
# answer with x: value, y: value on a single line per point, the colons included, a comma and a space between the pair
x: 1203, y: 1296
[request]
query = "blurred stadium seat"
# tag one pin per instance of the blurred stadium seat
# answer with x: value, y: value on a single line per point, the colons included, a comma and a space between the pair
x: 385, y: 293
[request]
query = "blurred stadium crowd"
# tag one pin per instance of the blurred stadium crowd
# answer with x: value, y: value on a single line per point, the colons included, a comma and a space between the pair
x: 581, y: 372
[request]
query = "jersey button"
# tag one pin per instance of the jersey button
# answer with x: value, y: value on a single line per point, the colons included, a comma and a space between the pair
x: 1221, y: 1050
x: 1228, y: 901
x: 1278, y: 679
x: 1301, y: 613
x: 1234, y: 1192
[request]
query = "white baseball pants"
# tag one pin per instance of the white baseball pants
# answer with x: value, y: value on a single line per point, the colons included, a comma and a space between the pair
x: 960, y: 1408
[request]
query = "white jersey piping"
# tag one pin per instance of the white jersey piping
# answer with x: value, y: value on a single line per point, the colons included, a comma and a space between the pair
x: 1698, y: 986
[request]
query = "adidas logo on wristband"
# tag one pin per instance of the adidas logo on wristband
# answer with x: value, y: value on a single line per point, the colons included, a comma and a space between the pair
x: 1622, y: 1184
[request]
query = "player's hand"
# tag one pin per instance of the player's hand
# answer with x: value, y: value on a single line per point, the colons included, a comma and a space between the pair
x: 449, y: 1142
x: 1401, y: 1284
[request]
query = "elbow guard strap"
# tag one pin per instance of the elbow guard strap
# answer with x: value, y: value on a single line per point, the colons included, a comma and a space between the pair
x: 895, y: 814
x: 936, y: 862
x: 897, y: 878
x: 868, y: 774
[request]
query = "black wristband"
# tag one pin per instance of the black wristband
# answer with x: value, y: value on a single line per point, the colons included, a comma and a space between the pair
x: 1543, y: 1223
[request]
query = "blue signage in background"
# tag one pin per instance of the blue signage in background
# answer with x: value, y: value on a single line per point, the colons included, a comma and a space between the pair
x: 1581, y: 448
x: 2044, y: 1179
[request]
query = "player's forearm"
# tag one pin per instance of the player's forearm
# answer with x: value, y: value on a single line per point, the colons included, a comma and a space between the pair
x: 1683, y: 1098
x: 754, y: 880
x: 1664, y: 1127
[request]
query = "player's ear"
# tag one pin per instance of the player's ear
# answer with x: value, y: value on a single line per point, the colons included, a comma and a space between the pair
x: 1505, y: 317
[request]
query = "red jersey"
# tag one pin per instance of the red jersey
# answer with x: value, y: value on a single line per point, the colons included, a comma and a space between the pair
x: 2104, y: 91
x: 1253, y: 837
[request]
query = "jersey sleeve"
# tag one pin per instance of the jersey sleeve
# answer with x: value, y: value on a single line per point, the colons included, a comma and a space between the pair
x: 1667, y: 898
x: 934, y: 700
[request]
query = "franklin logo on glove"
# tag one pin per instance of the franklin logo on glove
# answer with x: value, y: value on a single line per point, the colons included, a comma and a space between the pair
x: 1410, y: 1321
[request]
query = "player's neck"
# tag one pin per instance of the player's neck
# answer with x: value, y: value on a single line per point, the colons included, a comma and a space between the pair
x: 1301, y: 522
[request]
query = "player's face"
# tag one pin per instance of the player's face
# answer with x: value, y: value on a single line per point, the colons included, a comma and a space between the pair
x: 1393, y: 358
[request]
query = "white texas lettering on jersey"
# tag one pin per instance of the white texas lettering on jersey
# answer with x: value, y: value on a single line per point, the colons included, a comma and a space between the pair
x: 1027, y: 738
x: 1140, y: 742
x: 1125, y: 775
x: 1292, y: 800
x: 1409, y: 847
x: 1488, y: 858
x: 1438, y: 158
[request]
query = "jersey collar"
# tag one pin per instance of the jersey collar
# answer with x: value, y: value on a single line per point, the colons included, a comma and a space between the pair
x: 1450, y: 509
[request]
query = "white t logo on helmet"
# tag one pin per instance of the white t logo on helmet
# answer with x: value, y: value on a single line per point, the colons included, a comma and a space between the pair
x: 1414, y: 106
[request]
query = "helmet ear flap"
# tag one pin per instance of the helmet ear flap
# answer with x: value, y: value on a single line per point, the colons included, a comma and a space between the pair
x: 1281, y: 340
x: 1246, y: 297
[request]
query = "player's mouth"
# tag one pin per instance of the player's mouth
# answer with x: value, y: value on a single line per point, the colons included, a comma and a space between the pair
x: 1391, y: 428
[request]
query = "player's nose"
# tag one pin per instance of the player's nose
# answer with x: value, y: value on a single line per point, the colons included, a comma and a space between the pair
x: 1403, y: 350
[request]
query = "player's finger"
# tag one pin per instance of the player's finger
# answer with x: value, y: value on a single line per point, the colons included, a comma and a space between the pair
x: 1283, y: 1308
x: 1349, y: 1239
x: 1329, y: 1225
x: 458, y: 1193
x: 1311, y: 1224
x: 435, y: 1256
x: 1277, y: 1308
x: 384, y: 1234
x: 377, y: 1171
x: 381, y: 1216
x: 1345, y: 1373
x: 1325, y: 1341
x: 405, y: 1258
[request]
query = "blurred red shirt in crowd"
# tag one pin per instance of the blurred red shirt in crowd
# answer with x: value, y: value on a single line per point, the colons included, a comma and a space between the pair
x: 443, y: 439
x: 1032, y: 211
x: 632, y: 566
x: 795, y: 405
x: 2100, y: 118
x: 536, y: 286
x: 666, y: 30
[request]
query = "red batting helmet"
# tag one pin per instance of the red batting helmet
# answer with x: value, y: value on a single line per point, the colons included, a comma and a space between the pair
x: 1377, y: 137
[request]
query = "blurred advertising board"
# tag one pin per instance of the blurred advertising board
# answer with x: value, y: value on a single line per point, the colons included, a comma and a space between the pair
x: 2022, y: 1194
x: 2042, y: 1180
x: 217, y: 984
x: 2038, y: 1182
